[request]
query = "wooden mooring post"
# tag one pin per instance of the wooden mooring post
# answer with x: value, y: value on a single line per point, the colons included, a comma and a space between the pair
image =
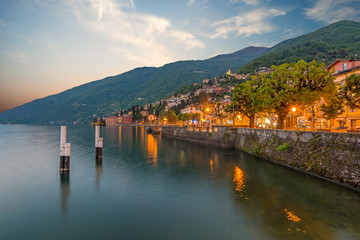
x: 64, y: 151
x: 98, y: 143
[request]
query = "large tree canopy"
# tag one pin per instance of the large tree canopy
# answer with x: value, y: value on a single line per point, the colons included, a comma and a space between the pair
x: 248, y: 99
x: 298, y: 84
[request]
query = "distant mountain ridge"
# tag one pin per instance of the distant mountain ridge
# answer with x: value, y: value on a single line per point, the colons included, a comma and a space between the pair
x: 142, y: 85
x: 337, y: 40
x: 138, y: 86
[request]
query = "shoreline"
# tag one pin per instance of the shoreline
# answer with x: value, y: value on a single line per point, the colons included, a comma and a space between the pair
x: 329, y: 156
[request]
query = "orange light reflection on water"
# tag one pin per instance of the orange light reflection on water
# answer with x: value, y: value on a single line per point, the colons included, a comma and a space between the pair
x: 291, y: 216
x: 152, y: 149
x: 239, y: 180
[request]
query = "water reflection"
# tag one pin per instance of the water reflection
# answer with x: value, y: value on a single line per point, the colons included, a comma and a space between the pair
x: 152, y: 149
x: 291, y: 216
x: 247, y: 196
x: 99, y: 172
x: 64, y: 190
x: 239, y: 180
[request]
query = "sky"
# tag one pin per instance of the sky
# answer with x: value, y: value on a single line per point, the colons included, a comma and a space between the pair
x: 48, y: 46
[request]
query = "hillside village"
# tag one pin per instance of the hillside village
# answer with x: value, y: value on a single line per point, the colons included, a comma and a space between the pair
x: 209, y: 103
x: 185, y: 101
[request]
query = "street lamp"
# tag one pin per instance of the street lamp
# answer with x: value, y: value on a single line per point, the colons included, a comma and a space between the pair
x: 293, y: 109
x: 208, y: 115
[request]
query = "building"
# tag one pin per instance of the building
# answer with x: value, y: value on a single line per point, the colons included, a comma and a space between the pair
x: 264, y: 70
x: 227, y: 98
x: 343, y: 65
x: 206, y: 81
x: 190, y: 109
x: 125, y: 119
x: 112, y: 120
x: 144, y: 113
x: 116, y: 120
x: 350, y: 119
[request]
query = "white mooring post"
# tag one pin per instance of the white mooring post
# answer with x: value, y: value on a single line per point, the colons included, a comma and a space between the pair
x: 64, y: 151
x: 98, y: 143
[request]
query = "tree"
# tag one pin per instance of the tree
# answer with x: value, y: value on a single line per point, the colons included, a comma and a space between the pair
x: 169, y: 115
x: 220, y: 112
x: 183, y: 117
x: 296, y: 84
x: 332, y: 108
x: 247, y: 99
x: 158, y: 109
x: 194, y: 117
x: 348, y: 94
x: 350, y: 91
x: 150, y: 109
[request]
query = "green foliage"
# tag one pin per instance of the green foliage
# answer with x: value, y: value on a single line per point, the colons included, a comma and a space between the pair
x: 350, y: 92
x: 189, y: 116
x: 338, y: 40
x: 247, y: 99
x: 158, y: 109
x: 177, y: 108
x: 332, y: 108
x: 169, y: 115
x: 296, y: 84
x: 283, y: 147
x: 220, y: 112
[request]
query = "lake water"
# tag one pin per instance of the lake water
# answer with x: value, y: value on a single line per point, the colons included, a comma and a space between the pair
x: 148, y: 187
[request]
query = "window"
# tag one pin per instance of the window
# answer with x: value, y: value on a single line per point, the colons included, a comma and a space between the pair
x: 344, y: 66
x: 353, y: 123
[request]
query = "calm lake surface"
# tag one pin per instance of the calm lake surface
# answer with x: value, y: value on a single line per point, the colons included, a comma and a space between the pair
x: 148, y: 187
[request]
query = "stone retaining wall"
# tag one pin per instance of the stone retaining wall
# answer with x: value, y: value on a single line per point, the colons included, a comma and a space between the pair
x: 334, y: 156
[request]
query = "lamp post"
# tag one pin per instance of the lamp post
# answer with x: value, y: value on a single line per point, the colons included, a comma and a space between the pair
x: 293, y: 110
x: 208, y: 110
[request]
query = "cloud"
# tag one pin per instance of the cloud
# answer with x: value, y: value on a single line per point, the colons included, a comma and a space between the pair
x: 199, y: 3
x: 19, y: 54
x: 248, y: 2
x: 329, y: 11
x: 249, y: 23
x: 135, y: 35
x: 190, y: 2
x: 28, y: 39
x: 187, y: 38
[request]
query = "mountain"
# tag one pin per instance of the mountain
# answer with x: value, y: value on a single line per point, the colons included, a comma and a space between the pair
x: 338, y: 40
x: 138, y: 86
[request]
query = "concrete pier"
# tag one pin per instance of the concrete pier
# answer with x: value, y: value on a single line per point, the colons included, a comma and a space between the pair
x: 98, y: 143
x: 65, y: 149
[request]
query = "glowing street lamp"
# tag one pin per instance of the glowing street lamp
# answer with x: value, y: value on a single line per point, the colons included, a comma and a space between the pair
x: 293, y: 109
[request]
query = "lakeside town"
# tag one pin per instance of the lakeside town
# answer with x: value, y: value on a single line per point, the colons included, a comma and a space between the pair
x: 210, y: 102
